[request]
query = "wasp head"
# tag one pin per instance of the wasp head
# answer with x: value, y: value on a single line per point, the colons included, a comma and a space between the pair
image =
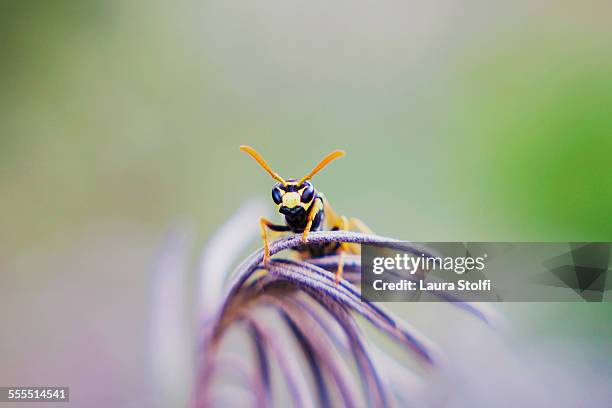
x: 292, y: 196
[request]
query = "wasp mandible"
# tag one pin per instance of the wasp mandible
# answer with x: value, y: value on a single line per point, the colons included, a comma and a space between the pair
x: 305, y: 209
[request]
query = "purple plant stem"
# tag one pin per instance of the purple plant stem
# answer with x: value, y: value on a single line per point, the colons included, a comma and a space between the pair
x: 377, y: 394
x: 261, y: 379
x: 332, y: 331
x: 320, y: 280
x: 352, y: 273
x: 317, y: 346
x: 393, y: 369
x: 319, y: 237
x: 297, y: 389
x: 312, y: 359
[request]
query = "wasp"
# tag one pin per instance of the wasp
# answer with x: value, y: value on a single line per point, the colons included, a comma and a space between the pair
x: 305, y: 209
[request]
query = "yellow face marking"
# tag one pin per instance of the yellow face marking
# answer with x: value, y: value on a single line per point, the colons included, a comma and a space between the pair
x: 291, y: 199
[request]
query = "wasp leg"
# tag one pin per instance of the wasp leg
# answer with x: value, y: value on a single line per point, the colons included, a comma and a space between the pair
x: 340, y: 222
x: 318, y: 206
x: 352, y: 224
x: 264, y: 224
x: 343, y: 225
x: 340, y: 269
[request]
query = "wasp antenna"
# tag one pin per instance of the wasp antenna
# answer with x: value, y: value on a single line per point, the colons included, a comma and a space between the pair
x: 255, y: 155
x: 336, y: 154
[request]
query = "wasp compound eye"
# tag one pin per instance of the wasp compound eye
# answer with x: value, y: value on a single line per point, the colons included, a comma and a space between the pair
x: 308, y: 193
x: 277, y: 196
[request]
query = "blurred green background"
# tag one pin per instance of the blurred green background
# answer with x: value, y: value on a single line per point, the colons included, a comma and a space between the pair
x: 462, y: 121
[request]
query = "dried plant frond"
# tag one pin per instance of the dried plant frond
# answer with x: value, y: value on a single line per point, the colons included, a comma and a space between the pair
x: 320, y: 315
